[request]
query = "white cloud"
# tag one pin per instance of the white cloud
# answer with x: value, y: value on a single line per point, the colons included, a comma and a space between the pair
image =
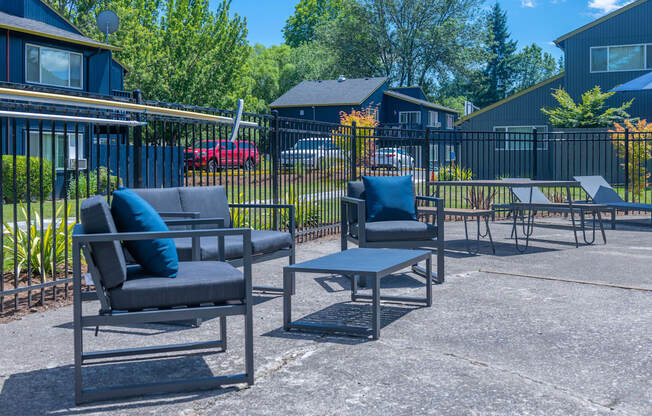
x: 607, y: 6
x: 527, y: 3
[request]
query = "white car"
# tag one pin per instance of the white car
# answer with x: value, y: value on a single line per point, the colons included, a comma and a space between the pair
x: 315, y: 153
x: 392, y: 158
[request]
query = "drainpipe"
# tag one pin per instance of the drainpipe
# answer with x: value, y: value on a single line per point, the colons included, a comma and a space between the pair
x: 7, y: 55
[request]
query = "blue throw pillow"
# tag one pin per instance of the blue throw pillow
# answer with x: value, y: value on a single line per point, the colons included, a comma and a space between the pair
x: 389, y: 198
x: 133, y: 214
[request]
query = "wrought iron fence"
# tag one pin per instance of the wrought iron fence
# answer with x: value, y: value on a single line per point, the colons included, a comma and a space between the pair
x: 273, y: 160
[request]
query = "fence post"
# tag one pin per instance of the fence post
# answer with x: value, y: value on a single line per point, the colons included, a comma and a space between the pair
x: 626, y: 164
x: 354, y: 152
x: 137, y: 95
x: 275, y: 151
x: 426, y: 160
x: 535, y: 145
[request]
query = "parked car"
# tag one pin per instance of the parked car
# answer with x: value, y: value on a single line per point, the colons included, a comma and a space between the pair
x: 392, y: 158
x: 315, y: 153
x: 213, y: 155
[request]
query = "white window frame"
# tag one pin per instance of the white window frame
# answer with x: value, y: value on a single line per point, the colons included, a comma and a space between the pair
x: 502, y: 144
x: 450, y: 121
x: 433, y: 121
x: 40, y: 75
x: 400, y: 113
x: 72, y: 152
x: 645, y: 67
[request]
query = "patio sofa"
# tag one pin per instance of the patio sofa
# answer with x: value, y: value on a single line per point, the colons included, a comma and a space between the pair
x: 408, y: 234
x: 212, y: 202
x: 135, y: 294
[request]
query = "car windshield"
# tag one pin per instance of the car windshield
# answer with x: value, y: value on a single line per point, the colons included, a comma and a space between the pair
x: 308, y: 144
x: 205, y: 145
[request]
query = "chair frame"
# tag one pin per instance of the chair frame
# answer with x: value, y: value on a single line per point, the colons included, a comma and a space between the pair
x: 109, y: 317
x: 255, y: 258
x: 437, y: 243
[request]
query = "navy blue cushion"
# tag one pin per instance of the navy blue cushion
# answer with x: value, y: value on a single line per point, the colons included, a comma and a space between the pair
x: 133, y: 214
x: 389, y: 198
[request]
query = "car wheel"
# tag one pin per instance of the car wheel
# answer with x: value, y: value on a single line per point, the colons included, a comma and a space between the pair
x: 248, y: 165
x: 212, y: 166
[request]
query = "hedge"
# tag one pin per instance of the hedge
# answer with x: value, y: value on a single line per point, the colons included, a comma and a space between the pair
x: 11, y: 195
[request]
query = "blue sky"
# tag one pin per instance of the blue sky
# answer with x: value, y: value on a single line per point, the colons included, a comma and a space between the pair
x: 530, y: 21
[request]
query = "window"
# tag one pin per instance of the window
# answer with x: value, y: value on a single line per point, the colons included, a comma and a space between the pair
x: 301, y: 112
x: 227, y: 146
x: 433, y: 119
x: 519, y: 137
x: 621, y: 58
x: 409, y: 117
x: 450, y: 121
x: 449, y: 156
x: 246, y: 145
x: 51, y: 66
x: 59, y: 147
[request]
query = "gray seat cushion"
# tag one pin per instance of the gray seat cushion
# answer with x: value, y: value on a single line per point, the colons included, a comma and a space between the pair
x: 209, y: 201
x: 354, y: 189
x: 96, y: 218
x: 196, y: 283
x: 161, y: 199
x: 262, y: 242
x: 397, y: 231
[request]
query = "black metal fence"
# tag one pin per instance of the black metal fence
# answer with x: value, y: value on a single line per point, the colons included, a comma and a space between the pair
x: 274, y: 159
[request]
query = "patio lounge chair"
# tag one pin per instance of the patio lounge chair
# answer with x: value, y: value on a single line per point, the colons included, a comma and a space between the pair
x: 212, y: 202
x: 532, y: 199
x: 602, y: 193
x: 392, y: 234
x: 130, y: 295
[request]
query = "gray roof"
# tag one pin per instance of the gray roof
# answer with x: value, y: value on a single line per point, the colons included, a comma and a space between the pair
x: 418, y: 101
x: 329, y: 92
x: 35, y: 27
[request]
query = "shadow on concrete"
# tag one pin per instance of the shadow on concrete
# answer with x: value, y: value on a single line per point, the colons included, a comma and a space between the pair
x: 51, y: 390
x: 356, y: 315
x: 339, y: 283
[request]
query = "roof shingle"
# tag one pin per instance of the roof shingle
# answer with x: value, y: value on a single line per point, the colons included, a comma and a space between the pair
x: 329, y: 92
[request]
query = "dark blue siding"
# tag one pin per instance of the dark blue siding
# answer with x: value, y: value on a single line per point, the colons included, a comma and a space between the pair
x: 414, y: 92
x: 629, y: 27
x: 35, y: 9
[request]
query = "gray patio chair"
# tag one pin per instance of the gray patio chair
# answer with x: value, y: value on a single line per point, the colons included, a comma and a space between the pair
x: 212, y: 202
x: 534, y: 200
x: 602, y: 193
x: 128, y: 295
x: 392, y: 234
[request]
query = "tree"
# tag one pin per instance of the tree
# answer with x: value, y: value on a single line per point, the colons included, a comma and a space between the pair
x: 308, y: 14
x: 498, y: 74
x: 588, y: 113
x: 532, y: 66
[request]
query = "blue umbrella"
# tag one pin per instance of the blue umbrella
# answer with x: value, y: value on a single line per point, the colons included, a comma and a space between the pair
x: 643, y: 82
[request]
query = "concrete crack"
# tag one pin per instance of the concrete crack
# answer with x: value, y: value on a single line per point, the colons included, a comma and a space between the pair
x: 608, y: 406
x: 283, y: 361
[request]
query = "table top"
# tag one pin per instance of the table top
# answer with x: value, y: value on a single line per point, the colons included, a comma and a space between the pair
x: 507, y: 183
x: 361, y: 260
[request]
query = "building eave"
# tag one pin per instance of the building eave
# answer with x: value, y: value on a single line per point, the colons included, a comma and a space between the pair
x: 510, y: 98
x: 60, y: 38
x: 598, y: 21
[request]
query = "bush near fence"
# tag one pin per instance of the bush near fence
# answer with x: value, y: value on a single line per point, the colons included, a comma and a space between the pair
x: 11, y: 194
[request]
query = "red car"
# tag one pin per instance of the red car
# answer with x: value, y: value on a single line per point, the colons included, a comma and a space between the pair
x: 213, y: 155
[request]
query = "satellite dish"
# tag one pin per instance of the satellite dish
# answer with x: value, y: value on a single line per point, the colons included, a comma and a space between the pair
x: 108, y: 22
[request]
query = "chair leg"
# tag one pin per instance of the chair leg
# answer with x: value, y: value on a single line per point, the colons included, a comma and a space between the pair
x: 249, y: 345
x: 613, y: 219
x: 491, y: 241
x: 223, y: 332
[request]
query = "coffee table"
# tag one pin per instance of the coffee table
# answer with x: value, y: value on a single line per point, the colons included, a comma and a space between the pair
x: 372, y: 263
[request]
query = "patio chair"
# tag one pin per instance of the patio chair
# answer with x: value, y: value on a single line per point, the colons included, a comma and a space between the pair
x: 408, y: 234
x: 130, y: 295
x: 602, y: 193
x: 533, y: 199
x: 212, y: 202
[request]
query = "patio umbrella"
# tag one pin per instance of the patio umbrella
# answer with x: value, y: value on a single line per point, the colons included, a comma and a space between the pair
x: 643, y: 82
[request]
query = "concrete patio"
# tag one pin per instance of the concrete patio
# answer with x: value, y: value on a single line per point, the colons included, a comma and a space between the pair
x: 556, y: 331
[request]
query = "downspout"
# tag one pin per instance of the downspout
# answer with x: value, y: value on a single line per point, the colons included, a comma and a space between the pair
x: 7, y: 55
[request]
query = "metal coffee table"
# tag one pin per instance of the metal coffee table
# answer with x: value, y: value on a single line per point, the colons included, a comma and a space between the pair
x: 371, y: 263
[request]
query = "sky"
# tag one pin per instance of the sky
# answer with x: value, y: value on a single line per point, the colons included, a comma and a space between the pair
x: 530, y: 21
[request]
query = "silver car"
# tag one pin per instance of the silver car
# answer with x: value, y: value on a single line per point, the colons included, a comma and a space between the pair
x: 314, y: 153
x: 392, y: 158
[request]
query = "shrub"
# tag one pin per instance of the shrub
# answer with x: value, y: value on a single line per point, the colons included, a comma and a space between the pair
x: 638, y: 149
x: 27, y: 243
x: 306, y: 211
x: 11, y: 195
x: 454, y: 173
x: 91, y: 187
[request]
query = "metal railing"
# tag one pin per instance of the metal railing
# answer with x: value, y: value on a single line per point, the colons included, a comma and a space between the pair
x: 274, y: 160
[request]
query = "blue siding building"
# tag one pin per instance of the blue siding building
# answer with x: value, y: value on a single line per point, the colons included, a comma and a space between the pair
x: 324, y: 100
x: 607, y: 52
x: 41, y: 49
